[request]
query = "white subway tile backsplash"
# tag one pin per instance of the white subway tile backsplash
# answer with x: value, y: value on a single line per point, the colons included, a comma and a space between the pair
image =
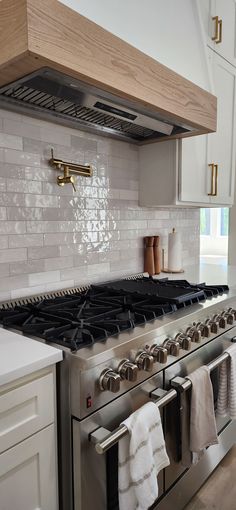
x: 17, y: 127
x: 13, y: 255
x: 3, y: 213
x: 21, y: 158
x: 12, y: 227
x: 23, y: 186
x: 11, y: 141
x: 10, y: 283
x: 41, y: 200
x: 53, y: 237
x: 58, y: 263
x: 24, y: 213
x: 42, y: 278
x: 4, y: 270
x: 30, y: 266
x: 25, y: 240
x: 43, y: 253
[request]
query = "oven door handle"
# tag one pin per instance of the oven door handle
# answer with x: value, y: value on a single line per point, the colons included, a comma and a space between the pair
x: 103, y: 439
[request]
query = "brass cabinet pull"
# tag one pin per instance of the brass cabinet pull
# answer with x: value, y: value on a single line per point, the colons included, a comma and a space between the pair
x: 218, y: 30
x: 214, y: 180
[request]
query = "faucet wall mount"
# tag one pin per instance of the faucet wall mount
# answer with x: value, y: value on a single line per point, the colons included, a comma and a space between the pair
x: 68, y: 168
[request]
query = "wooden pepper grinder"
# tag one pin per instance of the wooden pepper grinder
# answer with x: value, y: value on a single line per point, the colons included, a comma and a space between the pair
x: 149, y: 255
x: 157, y: 254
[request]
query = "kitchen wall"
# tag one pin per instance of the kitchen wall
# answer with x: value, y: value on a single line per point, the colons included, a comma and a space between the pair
x: 53, y: 238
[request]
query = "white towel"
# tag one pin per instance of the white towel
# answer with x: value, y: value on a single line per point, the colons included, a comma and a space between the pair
x: 142, y: 454
x: 203, y: 430
x: 226, y: 403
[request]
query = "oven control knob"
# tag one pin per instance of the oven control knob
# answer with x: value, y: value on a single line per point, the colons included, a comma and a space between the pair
x: 109, y: 381
x: 231, y: 310
x: 214, y: 325
x: 194, y: 332
x: 144, y: 361
x: 222, y: 319
x: 204, y: 328
x: 172, y: 346
x: 184, y: 341
x: 159, y: 353
x: 229, y: 317
x: 128, y: 370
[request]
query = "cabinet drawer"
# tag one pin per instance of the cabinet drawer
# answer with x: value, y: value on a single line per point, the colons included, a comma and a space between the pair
x: 25, y: 410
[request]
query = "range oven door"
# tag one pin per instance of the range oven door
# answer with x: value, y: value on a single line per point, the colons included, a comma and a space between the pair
x: 176, y: 423
x: 95, y: 476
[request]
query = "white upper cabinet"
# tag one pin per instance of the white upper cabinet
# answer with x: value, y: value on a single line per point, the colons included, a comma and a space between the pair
x: 221, y: 145
x: 219, y: 23
x: 196, y: 171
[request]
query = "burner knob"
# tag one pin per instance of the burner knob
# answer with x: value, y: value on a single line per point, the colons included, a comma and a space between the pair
x: 159, y: 353
x: 229, y: 316
x: 172, y: 346
x: 214, y: 325
x: 222, y: 319
x: 128, y: 370
x: 194, y: 332
x: 109, y: 381
x: 144, y: 361
x: 204, y: 328
x: 184, y: 341
x: 231, y: 310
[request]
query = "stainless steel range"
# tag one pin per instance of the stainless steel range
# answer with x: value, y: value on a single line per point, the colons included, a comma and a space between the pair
x: 124, y: 343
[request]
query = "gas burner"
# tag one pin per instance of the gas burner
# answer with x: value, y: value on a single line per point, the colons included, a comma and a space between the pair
x: 80, y: 319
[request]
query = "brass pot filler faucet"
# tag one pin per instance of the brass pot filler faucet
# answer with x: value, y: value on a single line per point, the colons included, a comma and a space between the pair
x: 67, y: 168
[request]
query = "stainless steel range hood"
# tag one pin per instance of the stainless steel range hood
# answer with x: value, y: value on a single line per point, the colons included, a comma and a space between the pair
x: 52, y: 95
x: 56, y: 64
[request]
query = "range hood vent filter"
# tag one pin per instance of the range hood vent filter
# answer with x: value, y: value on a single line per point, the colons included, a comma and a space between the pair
x: 54, y: 96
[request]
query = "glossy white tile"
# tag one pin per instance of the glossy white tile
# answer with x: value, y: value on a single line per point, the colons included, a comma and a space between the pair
x: 53, y: 237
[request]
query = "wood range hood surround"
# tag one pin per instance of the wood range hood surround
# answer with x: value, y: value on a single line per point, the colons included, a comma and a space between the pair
x: 47, y: 34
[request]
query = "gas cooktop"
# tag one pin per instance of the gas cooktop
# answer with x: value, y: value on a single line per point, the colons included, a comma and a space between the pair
x: 80, y: 319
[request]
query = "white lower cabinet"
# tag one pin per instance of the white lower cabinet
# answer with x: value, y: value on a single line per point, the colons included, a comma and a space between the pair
x: 28, y: 474
x: 198, y: 171
x: 28, y: 451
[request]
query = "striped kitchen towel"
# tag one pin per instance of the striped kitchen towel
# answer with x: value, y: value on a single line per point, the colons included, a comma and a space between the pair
x: 226, y: 403
x: 142, y: 454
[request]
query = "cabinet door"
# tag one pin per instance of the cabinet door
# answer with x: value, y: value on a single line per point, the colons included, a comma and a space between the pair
x: 221, y: 145
x: 28, y: 474
x: 226, y: 11
x: 194, y: 182
x: 207, y: 9
x: 223, y: 29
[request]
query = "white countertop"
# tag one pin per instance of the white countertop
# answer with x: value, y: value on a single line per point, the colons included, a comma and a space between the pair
x: 21, y: 356
x: 210, y: 273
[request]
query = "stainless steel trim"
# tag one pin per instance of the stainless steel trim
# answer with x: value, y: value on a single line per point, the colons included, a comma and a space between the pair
x: 115, y: 436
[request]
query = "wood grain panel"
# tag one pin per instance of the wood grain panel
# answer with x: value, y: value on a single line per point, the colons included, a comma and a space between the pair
x: 64, y: 40
x: 13, y: 30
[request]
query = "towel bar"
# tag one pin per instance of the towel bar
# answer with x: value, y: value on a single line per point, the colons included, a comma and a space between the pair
x: 184, y: 384
x: 104, y: 439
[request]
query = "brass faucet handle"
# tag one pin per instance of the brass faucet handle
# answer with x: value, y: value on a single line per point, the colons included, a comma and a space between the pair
x: 72, y: 182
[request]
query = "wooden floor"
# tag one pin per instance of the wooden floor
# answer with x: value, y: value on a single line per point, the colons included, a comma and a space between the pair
x: 219, y: 491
